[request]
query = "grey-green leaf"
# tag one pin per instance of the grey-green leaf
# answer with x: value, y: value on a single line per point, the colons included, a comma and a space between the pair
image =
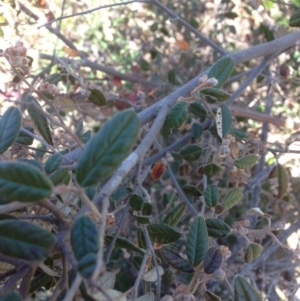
x: 232, y: 198
x: 213, y: 260
x: 162, y: 233
x: 175, y: 118
x: 221, y: 70
x: 246, y: 161
x: 175, y: 215
x: 253, y: 251
x: 24, y: 138
x: 217, y: 228
x: 197, y: 242
x: 38, y: 118
x: 24, y: 240
x: 53, y: 163
x: 198, y: 110
x: 220, y: 95
x: 60, y: 176
x: 243, y: 291
x: 211, y: 195
x: 84, y: 237
x: 108, y: 148
x: 124, y: 243
x: 173, y: 258
x: 10, y: 124
x: 191, y: 152
x: 23, y: 182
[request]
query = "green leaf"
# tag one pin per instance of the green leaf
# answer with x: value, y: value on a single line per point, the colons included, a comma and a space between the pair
x: 191, y: 190
x: 143, y: 219
x: 23, y: 138
x: 253, y: 251
x: 97, y: 97
x: 211, y: 195
x: 38, y: 118
x: 124, y: 243
x: 191, y: 152
x: 175, y: 215
x: 246, y: 162
x: 145, y: 66
x: 108, y: 148
x: 136, y: 201
x: 221, y: 70
x: 11, y: 296
x: 213, y: 260
x: 279, y: 180
x: 10, y: 124
x: 232, y: 198
x: 172, y: 77
x: 87, y: 264
x: 217, y: 228
x: 22, y: 182
x: 32, y: 162
x: 218, y: 94
x: 197, y: 130
x: 41, y: 280
x: 173, y: 258
x: 162, y: 233
x: 243, y: 291
x: 84, y: 237
x: 197, y: 242
x: 175, y: 118
x: 60, y: 176
x: 212, y: 169
x: 147, y: 209
x: 23, y: 240
x: 53, y: 163
x: 295, y: 19
x: 197, y: 109
x: 209, y: 296
x: 223, y: 121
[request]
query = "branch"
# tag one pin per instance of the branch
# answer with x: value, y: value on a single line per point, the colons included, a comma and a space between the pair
x: 189, y: 27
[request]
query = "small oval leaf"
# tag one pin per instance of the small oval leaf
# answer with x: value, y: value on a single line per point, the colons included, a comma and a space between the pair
x: 232, y: 198
x: 158, y: 170
x: 60, y: 176
x: 211, y: 195
x: 175, y: 215
x: 23, y: 240
x: 175, y: 118
x: 87, y: 264
x: 253, y: 251
x: 243, y: 291
x: 295, y: 19
x: 53, y: 163
x: 198, y: 110
x: 212, y: 169
x: 22, y: 182
x: 217, y: 228
x: 213, y: 260
x: 162, y: 233
x: 108, y: 148
x: 84, y: 237
x: 10, y: 124
x: 124, y: 243
x: 191, y: 190
x: 279, y: 180
x: 24, y: 138
x: 223, y: 121
x: 246, y: 162
x: 38, y: 118
x: 197, y: 241
x: 136, y: 201
x: 191, y: 152
x: 173, y: 258
x: 221, y: 70
x: 218, y: 94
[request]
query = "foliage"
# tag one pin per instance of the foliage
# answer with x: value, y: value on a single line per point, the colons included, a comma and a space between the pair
x: 103, y: 186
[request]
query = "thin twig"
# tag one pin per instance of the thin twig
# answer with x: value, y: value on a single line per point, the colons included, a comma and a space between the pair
x: 73, y: 289
x: 181, y: 194
x: 189, y: 27
x: 92, y: 10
